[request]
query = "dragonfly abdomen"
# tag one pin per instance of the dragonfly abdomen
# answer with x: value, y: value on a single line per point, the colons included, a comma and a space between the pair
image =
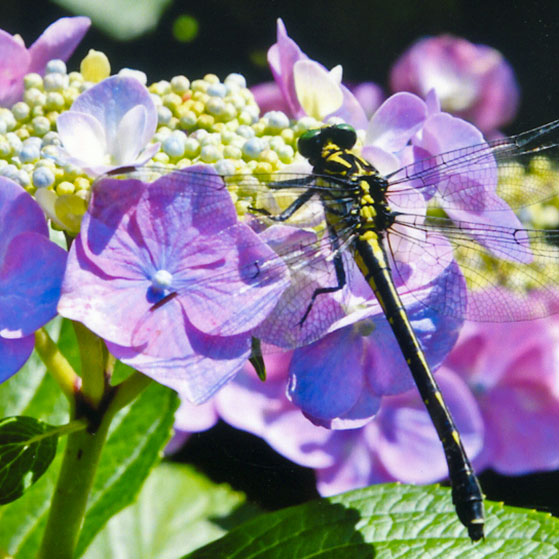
x: 467, y: 497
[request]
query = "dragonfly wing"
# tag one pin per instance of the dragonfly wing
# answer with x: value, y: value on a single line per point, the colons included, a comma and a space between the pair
x: 479, y: 285
x: 238, y: 283
x: 519, y: 170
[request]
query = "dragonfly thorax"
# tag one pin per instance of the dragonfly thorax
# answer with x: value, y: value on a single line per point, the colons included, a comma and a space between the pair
x: 361, y: 186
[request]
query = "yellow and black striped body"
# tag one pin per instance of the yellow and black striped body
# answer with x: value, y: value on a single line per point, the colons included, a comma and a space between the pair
x: 365, y: 209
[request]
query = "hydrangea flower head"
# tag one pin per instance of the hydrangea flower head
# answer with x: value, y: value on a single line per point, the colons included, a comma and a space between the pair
x: 167, y: 276
x: 57, y: 41
x: 512, y: 371
x: 377, y: 452
x: 31, y: 270
x: 472, y: 81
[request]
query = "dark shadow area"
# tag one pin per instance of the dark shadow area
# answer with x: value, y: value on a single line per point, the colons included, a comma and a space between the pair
x: 272, y: 482
x: 533, y: 491
x: 366, y: 37
x: 248, y: 464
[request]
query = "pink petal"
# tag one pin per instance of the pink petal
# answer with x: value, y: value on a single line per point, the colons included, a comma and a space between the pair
x: 396, y: 121
x: 14, y: 65
x: 58, y: 40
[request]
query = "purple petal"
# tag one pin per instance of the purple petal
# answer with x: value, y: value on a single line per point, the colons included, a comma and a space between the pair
x: 296, y: 438
x: 384, y: 162
x: 357, y: 466
x: 15, y: 64
x: 192, y: 363
x: 396, y: 121
x: 193, y: 419
x: 130, y: 137
x: 406, y: 430
x: 369, y: 95
x: 470, y: 195
x: 110, y: 100
x: 326, y: 378
x: 528, y: 415
x: 30, y: 279
x: 282, y: 57
x: 385, y: 368
x: 91, y: 297
x: 250, y: 404
x: 19, y: 213
x: 269, y: 97
x: 83, y: 138
x: 256, y: 289
x: 351, y: 110
x: 387, y: 371
x: 14, y: 354
x: 58, y: 40
x: 443, y: 132
x: 145, y: 155
x: 359, y: 415
x: 499, y: 98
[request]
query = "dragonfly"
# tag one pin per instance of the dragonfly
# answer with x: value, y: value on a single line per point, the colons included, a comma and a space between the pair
x: 464, y: 196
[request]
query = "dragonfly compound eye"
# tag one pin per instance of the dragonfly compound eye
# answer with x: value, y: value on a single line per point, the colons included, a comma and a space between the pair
x: 343, y: 135
x: 310, y: 143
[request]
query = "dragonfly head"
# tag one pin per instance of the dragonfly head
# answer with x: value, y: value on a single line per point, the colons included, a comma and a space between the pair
x: 311, y: 142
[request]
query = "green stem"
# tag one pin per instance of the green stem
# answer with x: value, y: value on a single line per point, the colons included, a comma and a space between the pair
x: 81, y: 457
x: 95, y: 363
x: 127, y: 391
x: 57, y: 365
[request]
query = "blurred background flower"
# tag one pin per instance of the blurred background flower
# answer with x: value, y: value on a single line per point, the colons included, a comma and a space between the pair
x: 474, y: 82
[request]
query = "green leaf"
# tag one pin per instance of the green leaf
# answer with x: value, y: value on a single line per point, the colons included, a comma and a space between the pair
x: 27, y: 447
x: 31, y: 392
x: 177, y: 511
x: 135, y: 444
x: 387, y: 521
x: 137, y: 437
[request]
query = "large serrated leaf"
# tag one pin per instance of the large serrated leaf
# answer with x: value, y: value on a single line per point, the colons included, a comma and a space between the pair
x: 31, y: 392
x: 177, y: 511
x: 387, y: 521
x: 26, y: 451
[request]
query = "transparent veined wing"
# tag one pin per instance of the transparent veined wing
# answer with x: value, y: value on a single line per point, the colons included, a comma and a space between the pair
x: 301, y: 246
x: 521, y: 170
x: 508, y: 259
x: 468, y: 191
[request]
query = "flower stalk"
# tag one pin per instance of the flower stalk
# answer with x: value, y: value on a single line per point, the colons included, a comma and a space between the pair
x: 57, y: 365
x: 81, y: 458
x: 97, y: 402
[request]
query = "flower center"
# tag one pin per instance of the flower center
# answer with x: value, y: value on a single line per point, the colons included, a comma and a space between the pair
x: 162, y: 280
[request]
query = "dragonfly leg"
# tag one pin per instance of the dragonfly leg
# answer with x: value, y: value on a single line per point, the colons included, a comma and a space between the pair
x: 290, y: 210
x: 297, y: 183
x: 340, y: 274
